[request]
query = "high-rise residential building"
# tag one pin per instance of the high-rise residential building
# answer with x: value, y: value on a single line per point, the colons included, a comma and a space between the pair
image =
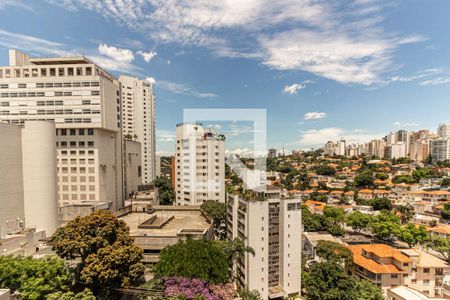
x: 272, y: 153
x: 83, y: 101
x: 341, y: 147
x: 419, y: 150
x: 440, y: 149
x: 271, y: 225
x: 138, y: 121
x: 395, y: 150
x: 444, y: 130
x: 376, y: 148
x: 28, y: 180
x: 329, y: 148
x: 199, y: 165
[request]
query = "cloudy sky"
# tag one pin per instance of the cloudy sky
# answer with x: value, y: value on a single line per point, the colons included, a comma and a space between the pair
x: 323, y: 69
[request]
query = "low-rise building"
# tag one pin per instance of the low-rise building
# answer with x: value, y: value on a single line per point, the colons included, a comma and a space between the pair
x: 310, y: 240
x: 166, y: 225
x: 388, y: 267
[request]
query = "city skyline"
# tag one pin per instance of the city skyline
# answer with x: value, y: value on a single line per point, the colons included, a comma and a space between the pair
x: 400, y: 76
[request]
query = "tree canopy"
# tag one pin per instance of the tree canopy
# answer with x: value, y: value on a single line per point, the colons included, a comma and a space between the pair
x: 34, y: 278
x: 194, y: 259
x: 108, y: 257
x: 218, y: 213
x: 358, y: 221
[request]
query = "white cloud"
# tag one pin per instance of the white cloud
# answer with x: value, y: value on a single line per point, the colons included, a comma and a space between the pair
x: 315, y: 115
x: 152, y: 80
x: 406, y: 124
x: 319, y: 137
x: 147, y: 56
x: 123, y: 55
x: 345, y: 42
x: 15, y: 3
x: 165, y: 136
x: 293, y: 88
x: 31, y: 44
x: 179, y: 88
x: 436, y: 81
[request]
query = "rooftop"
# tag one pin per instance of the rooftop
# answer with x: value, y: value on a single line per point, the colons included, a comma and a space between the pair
x: 166, y: 222
x: 410, y: 294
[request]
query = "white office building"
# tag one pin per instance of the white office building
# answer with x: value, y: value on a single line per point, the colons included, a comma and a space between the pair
x: 84, y: 102
x: 199, y: 165
x: 271, y: 225
x: 440, y: 149
x: 28, y: 181
x: 138, y: 121
x: 444, y: 130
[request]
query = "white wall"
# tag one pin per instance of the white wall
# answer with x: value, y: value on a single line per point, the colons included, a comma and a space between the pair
x: 11, y: 183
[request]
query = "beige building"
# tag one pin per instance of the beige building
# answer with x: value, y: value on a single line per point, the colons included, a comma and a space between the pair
x: 28, y: 178
x: 271, y: 225
x: 166, y: 225
x: 388, y: 267
x: 132, y: 164
x: 138, y: 121
x: 84, y: 102
x: 199, y: 165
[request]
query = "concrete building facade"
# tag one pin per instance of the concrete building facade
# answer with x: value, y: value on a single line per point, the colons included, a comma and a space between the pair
x: 138, y: 121
x: 271, y: 225
x: 28, y: 181
x: 199, y: 165
x: 83, y: 101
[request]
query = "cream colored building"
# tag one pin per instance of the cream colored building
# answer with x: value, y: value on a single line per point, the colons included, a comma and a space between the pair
x: 199, y: 165
x: 28, y: 179
x: 440, y: 149
x: 138, y: 121
x: 132, y: 163
x: 271, y: 225
x: 388, y: 268
x: 84, y: 102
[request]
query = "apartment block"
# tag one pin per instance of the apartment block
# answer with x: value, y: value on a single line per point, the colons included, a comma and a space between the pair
x: 199, y: 165
x: 271, y: 225
x: 388, y: 267
x: 84, y: 102
x: 440, y: 149
x: 28, y: 181
x: 138, y: 121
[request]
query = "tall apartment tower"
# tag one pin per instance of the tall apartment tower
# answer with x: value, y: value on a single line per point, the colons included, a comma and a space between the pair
x: 138, y: 121
x: 444, y: 130
x: 440, y: 149
x: 83, y: 101
x: 199, y: 165
x: 271, y: 225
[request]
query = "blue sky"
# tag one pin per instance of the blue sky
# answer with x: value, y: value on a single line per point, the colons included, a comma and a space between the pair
x: 323, y: 69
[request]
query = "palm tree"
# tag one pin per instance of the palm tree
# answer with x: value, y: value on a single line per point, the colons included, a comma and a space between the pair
x: 246, y: 294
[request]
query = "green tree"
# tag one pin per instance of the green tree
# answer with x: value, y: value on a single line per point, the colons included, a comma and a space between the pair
x: 335, y: 218
x: 364, y: 180
x: 34, y: 278
x: 385, y: 226
x: 165, y: 191
x: 413, y: 235
x: 218, y: 213
x: 358, y: 221
x: 106, y: 251
x: 84, y: 295
x: 445, y: 182
x: 406, y: 213
x: 367, y: 291
x: 333, y: 251
x: 441, y: 245
x: 381, y: 203
x: 445, y: 213
x: 194, y: 259
x: 328, y: 281
x: 325, y: 170
x: 246, y: 294
x: 312, y: 222
x: 382, y: 176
